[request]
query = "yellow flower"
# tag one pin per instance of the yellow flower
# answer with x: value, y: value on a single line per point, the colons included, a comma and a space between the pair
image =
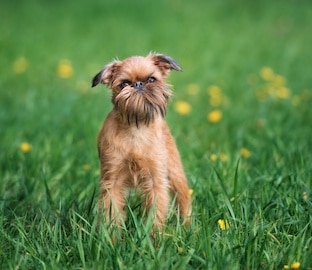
x: 65, y: 69
x: 245, y: 152
x: 305, y: 195
x: 180, y: 250
x: 191, y: 191
x: 223, y: 157
x: 279, y: 80
x: 215, y: 94
x: 294, y: 266
x: 282, y: 92
x: 182, y: 107
x: 267, y: 74
x: 193, y: 89
x: 25, y: 147
x: 20, y: 65
x: 86, y: 167
x: 213, y: 157
x: 214, y: 90
x: 214, y: 116
x: 223, y: 224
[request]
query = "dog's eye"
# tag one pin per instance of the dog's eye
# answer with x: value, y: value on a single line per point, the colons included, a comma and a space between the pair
x: 151, y: 79
x: 125, y: 83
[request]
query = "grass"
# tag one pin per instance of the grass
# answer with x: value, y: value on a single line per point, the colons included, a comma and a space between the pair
x: 249, y: 169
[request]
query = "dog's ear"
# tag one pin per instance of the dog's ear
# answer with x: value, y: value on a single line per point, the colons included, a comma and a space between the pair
x: 106, y: 74
x: 164, y: 62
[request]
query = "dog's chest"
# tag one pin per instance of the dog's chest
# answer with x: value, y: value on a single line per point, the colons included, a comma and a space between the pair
x: 142, y: 141
x: 144, y: 151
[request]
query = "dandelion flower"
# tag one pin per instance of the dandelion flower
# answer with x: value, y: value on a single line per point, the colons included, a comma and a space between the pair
x: 215, y: 94
x: 223, y: 224
x: 182, y: 107
x: 223, y: 157
x: 213, y: 157
x: 214, y: 90
x: 279, y: 80
x: 191, y: 191
x: 267, y: 74
x: 245, y: 152
x: 283, y: 93
x: 294, y: 266
x: 65, y: 69
x: 180, y: 250
x: 86, y: 167
x: 25, y: 147
x: 193, y: 89
x: 20, y: 65
x: 214, y: 116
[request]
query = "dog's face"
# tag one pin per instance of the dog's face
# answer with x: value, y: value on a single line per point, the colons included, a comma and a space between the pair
x: 139, y: 90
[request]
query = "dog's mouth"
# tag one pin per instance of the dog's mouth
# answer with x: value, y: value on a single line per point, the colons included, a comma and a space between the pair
x: 139, y: 91
x: 141, y: 106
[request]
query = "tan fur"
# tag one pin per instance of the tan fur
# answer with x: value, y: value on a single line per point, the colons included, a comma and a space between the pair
x: 136, y: 148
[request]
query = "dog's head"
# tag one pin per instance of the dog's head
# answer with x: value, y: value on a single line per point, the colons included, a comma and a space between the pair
x: 139, y: 90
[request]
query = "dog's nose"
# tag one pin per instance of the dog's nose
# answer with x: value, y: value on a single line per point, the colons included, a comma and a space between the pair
x: 138, y: 85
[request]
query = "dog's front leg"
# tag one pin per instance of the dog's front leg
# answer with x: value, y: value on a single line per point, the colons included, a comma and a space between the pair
x: 178, y: 181
x: 157, y: 196
x: 112, y: 198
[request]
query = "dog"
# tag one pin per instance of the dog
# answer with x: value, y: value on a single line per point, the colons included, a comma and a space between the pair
x: 135, y: 146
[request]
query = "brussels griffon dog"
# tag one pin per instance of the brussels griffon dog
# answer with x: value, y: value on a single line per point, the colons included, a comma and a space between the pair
x: 136, y: 148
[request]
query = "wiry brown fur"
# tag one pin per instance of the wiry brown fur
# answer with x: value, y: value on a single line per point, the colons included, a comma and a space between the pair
x: 136, y: 148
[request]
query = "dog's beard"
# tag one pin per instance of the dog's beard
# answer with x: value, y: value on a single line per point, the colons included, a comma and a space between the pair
x: 141, y: 106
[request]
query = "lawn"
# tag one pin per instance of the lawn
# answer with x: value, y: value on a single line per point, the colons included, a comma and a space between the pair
x: 241, y: 115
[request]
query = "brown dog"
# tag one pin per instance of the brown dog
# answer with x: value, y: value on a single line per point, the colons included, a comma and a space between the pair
x: 136, y: 148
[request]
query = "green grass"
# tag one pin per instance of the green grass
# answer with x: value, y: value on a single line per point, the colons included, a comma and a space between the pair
x: 48, y: 217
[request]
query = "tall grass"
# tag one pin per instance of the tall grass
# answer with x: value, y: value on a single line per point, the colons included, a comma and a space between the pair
x: 241, y: 115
